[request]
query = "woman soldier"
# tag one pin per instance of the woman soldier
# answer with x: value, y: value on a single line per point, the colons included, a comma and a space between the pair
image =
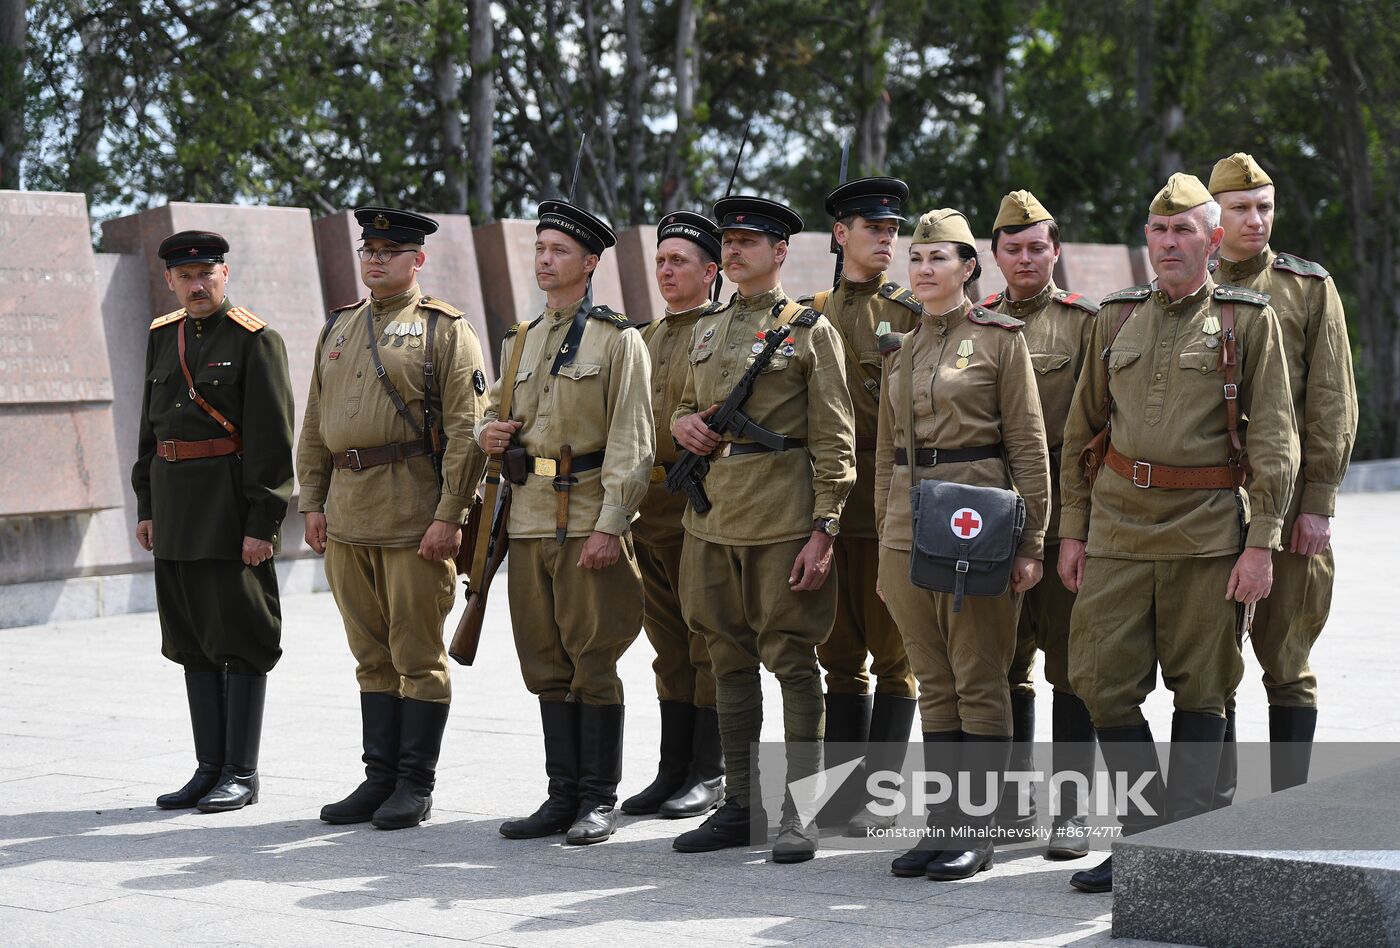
x: 976, y: 420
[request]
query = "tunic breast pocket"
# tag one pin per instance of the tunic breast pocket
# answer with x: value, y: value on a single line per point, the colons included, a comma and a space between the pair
x: 579, y: 371
x: 1203, y: 361
x: 1121, y: 359
x: 1047, y: 362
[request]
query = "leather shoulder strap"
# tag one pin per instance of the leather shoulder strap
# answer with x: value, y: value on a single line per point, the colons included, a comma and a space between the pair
x: 197, y: 398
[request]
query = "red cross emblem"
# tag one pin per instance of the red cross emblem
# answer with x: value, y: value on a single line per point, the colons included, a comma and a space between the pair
x: 966, y: 523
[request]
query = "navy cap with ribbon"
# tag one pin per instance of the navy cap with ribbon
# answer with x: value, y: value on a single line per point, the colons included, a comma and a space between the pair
x: 592, y: 232
x: 696, y: 228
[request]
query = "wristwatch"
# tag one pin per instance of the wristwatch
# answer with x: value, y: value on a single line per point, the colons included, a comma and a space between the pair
x: 828, y: 525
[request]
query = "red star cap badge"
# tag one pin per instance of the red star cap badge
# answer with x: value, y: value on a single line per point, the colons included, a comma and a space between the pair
x: 739, y: 218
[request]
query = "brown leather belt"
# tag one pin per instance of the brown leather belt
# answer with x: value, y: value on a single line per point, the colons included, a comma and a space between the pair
x: 1145, y: 474
x: 357, y: 459
x: 172, y: 451
x: 928, y: 457
x: 865, y: 444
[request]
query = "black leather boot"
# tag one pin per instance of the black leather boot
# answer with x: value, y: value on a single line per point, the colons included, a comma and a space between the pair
x: 243, y: 710
x: 421, y: 724
x: 731, y: 825
x: 890, y: 722
x: 599, y: 772
x: 379, y: 726
x: 1014, y: 825
x: 848, y: 724
x: 559, y: 720
x: 1195, y: 763
x: 703, y: 787
x: 677, y: 736
x: 941, y: 755
x: 796, y: 841
x: 1228, y: 775
x: 1127, y: 750
x: 1290, y: 746
x: 1073, y: 734
x: 205, y: 693
x: 985, y: 759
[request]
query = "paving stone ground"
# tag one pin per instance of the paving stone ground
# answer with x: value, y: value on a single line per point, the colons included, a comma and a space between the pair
x: 93, y: 726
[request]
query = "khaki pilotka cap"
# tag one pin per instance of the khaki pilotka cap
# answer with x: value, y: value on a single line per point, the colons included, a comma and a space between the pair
x: 1239, y: 172
x: 944, y: 224
x: 1182, y: 192
x: 1020, y: 208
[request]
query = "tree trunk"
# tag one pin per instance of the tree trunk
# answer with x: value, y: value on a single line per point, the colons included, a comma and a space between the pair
x: 12, y: 37
x: 636, y: 70
x: 1147, y: 115
x: 449, y: 113
x: 873, y: 100
x: 481, y: 128
x: 675, y: 187
x: 600, y: 142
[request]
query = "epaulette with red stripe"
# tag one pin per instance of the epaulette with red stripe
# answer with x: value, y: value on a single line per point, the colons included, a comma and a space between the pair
x: 993, y: 300
x: 168, y: 319
x: 1078, y: 300
x: 246, y: 319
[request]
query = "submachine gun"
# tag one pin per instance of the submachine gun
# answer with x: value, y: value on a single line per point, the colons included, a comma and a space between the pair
x: 688, y: 474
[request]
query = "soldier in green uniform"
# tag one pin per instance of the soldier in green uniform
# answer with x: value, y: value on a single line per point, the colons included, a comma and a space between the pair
x: 1161, y: 544
x: 690, y: 778
x: 581, y: 431
x: 961, y: 392
x: 755, y: 566
x: 1323, y: 387
x: 1026, y: 246
x: 389, y: 468
x: 864, y: 306
x: 213, y: 475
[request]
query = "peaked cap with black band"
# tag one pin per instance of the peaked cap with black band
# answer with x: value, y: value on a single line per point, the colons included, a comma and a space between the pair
x: 696, y: 228
x: 874, y: 199
x: 595, y: 235
x: 401, y: 227
x: 192, y: 246
x: 746, y: 212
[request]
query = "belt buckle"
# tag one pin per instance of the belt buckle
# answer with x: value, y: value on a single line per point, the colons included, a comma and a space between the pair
x: 546, y: 467
x: 1232, y: 392
x: 725, y: 450
x: 932, y: 457
x: 354, y: 455
x: 1148, y: 467
x: 168, y: 445
x: 658, y: 474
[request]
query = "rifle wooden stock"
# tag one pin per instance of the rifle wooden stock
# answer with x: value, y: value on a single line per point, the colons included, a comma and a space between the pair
x: 468, y: 635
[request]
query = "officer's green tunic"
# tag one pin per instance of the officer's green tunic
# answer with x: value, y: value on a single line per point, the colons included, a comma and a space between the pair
x: 213, y: 609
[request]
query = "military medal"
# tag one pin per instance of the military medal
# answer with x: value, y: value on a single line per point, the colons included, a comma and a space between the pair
x: 964, y: 350
x: 709, y: 334
x: 883, y: 328
x: 414, y: 331
x: 1211, y: 326
x: 788, y: 351
x: 756, y: 348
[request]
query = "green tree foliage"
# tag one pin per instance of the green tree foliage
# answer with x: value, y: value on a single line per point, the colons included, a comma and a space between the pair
x: 1089, y: 103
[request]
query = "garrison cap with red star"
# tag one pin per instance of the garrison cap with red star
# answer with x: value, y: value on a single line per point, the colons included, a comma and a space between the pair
x: 192, y: 246
x: 573, y: 220
x: 747, y: 212
x: 874, y: 199
x: 386, y: 223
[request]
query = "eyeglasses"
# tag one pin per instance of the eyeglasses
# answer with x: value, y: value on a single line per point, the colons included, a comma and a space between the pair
x: 380, y: 256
